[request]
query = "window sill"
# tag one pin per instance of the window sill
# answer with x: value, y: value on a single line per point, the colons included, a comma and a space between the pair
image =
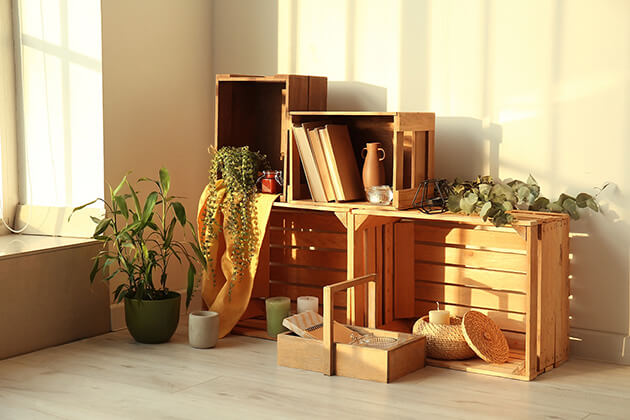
x: 12, y: 245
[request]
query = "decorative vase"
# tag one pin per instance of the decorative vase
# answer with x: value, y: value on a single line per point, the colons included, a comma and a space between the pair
x: 153, y: 321
x: 373, y: 168
x: 203, y: 329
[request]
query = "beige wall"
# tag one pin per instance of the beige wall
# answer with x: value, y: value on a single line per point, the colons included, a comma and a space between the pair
x: 8, y: 140
x: 157, y: 94
x: 518, y: 87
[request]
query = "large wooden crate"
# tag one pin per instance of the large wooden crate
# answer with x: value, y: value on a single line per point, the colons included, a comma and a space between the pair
x: 406, y: 137
x: 254, y: 111
x: 517, y: 275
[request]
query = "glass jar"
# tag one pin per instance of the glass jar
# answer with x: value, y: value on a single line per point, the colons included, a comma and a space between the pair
x: 380, y: 194
x: 271, y: 182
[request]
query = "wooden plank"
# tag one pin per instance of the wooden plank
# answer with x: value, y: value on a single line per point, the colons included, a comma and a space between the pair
x: 505, y: 320
x: 415, y: 121
x: 469, y: 236
x: 562, y: 319
x: 260, y: 287
x: 531, y: 321
x: 418, y: 158
x: 404, y: 287
x: 317, y: 93
x: 388, y: 273
x: 471, y: 257
x: 308, y: 220
x: 314, y: 276
x: 475, y: 277
x: 300, y: 238
x: 298, y: 256
x: 379, y: 273
x: 352, y: 254
x: 403, y: 199
x: 329, y: 345
x: 512, y: 369
x: 294, y: 291
x: 469, y: 296
x: 431, y: 154
x: 399, y: 138
x: 549, y: 273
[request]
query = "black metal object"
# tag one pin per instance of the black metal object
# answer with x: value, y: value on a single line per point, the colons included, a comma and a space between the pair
x: 433, y: 196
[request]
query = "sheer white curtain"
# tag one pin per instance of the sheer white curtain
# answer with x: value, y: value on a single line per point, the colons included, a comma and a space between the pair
x: 59, y: 48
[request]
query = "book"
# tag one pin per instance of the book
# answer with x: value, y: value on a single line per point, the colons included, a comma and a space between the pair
x: 310, y: 324
x: 320, y: 159
x: 342, y: 164
x: 313, y: 178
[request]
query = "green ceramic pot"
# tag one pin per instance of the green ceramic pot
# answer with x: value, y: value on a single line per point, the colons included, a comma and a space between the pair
x: 152, y: 321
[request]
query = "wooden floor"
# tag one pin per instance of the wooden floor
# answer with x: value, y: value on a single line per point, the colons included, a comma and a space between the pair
x: 111, y: 376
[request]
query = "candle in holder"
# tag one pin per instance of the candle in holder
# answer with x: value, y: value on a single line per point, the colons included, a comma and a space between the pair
x: 440, y: 316
x: 278, y: 308
x: 307, y: 303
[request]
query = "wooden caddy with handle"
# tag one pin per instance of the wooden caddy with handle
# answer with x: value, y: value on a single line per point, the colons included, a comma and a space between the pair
x: 350, y: 360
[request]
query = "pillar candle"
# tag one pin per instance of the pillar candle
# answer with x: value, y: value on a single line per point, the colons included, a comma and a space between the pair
x: 440, y: 316
x: 307, y: 303
x: 278, y: 308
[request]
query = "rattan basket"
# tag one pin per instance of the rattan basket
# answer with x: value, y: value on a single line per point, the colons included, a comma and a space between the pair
x: 444, y: 342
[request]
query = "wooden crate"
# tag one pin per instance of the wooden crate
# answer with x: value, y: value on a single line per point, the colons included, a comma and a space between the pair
x: 304, y: 251
x: 330, y: 358
x: 406, y: 137
x: 517, y: 275
x: 254, y: 111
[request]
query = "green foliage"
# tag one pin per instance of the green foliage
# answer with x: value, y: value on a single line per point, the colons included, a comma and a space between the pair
x: 139, y: 240
x: 239, y: 168
x: 493, y: 200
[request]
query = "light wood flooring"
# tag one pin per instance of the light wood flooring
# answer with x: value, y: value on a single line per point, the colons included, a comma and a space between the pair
x: 112, y: 377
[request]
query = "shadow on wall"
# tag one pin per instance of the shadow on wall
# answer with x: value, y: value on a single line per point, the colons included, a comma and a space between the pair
x: 353, y: 96
x: 465, y: 148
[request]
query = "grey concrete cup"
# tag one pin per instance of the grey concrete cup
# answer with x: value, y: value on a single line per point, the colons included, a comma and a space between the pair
x: 203, y: 329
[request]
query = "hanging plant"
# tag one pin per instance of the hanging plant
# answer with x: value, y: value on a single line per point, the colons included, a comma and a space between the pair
x: 239, y: 168
x: 493, y: 199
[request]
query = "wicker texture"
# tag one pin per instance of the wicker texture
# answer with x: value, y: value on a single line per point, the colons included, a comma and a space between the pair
x: 485, y: 337
x: 444, y: 342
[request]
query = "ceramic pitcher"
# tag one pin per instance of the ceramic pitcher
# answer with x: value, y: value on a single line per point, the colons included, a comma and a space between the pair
x: 373, y: 168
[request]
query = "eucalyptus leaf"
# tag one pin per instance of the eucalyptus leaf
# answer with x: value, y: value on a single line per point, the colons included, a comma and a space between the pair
x: 582, y: 198
x: 484, y: 210
x: 541, y: 203
x: 570, y: 206
x: 592, y: 204
x: 484, y: 191
x: 531, y: 180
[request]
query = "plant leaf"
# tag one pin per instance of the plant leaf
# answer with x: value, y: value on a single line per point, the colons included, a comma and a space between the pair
x: 571, y: 207
x: 149, y: 205
x: 81, y: 207
x: 582, y: 198
x: 180, y: 212
x: 541, y: 203
x: 592, y: 204
x: 531, y: 180
x: 165, y: 181
x: 94, y: 270
x: 100, y: 228
x: 122, y: 205
x: 191, y: 283
x: 484, y: 210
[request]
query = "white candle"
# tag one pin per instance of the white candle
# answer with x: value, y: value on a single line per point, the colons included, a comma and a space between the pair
x: 440, y: 316
x: 307, y: 303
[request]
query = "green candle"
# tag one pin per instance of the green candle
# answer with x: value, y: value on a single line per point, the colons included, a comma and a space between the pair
x: 278, y: 308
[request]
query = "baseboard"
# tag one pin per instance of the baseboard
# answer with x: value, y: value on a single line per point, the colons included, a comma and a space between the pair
x: 118, y: 310
x: 601, y: 346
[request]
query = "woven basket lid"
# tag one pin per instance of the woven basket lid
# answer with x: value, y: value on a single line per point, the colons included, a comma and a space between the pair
x: 485, y: 337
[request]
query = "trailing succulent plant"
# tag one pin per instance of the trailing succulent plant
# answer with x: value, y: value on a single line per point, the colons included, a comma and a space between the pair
x: 493, y: 199
x: 239, y: 168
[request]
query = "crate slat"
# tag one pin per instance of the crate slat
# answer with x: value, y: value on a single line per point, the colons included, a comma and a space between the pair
x: 471, y: 257
x: 299, y: 238
x: 475, y: 277
x: 328, y: 259
x: 470, y: 236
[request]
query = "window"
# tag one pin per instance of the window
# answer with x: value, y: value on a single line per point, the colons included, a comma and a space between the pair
x: 60, y: 106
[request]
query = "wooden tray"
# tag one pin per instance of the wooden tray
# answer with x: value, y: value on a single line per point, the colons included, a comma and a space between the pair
x: 354, y: 361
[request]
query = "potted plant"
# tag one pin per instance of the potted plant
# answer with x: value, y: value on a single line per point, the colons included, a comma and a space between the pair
x: 139, y: 243
x: 237, y: 169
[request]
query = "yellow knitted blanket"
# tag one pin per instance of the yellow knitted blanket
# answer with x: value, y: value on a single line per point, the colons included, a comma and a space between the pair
x: 229, y: 304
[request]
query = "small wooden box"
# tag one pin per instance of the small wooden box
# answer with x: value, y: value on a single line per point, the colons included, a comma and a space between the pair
x: 373, y: 364
x: 406, y: 137
x: 353, y: 361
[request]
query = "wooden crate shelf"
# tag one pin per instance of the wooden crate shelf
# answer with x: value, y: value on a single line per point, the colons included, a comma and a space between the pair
x: 517, y: 275
x: 254, y: 111
x: 406, y: 137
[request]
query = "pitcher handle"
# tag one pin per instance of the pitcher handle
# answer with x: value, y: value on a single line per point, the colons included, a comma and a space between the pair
x: 380, y: 149
x: 363, y: 152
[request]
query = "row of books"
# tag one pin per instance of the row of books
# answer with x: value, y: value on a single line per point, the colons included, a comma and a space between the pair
x: 328, y: 160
